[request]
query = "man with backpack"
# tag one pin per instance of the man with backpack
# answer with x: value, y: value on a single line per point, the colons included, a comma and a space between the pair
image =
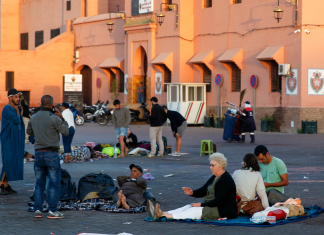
x: 157, y: 118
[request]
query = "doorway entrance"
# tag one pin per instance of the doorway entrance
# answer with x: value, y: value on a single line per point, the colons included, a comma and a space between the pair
x: 140, y: 73
x: 86, y: 72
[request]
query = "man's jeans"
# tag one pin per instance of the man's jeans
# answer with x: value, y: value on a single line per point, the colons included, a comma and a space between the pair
x: 156, y: 136
x: 275, y: 196
x: 47, y: 164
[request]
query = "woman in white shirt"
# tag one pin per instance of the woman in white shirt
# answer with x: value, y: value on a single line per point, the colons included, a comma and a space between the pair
x: 249, y: 182
x: 67, y: 140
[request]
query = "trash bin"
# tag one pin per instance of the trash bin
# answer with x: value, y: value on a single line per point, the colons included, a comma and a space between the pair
x: 229, y: 125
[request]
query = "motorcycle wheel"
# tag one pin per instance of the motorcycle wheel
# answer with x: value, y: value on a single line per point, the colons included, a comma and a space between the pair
x: 79, y: 120
x: 88, y: 117
x: 102, y: 120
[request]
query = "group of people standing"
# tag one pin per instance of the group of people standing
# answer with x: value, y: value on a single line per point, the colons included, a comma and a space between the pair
x: 158, y: 116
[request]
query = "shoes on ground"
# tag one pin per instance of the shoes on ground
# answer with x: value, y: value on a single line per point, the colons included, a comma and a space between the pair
x: 3, y: 190
x: 150, y: 156
x: 176, y: 154
x: 10, y: 190
x: 150, y: 208
x: 55, y: 215
x: 160, y: 155
x: 38, y: 214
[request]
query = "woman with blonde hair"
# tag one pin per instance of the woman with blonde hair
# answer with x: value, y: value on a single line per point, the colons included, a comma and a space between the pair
x: 219, y: 195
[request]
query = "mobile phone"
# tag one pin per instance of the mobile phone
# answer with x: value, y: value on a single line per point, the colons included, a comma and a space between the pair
x: 53, y: 110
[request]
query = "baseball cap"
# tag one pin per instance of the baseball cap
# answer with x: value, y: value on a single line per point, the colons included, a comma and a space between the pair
x: 138, y: 167
x: 13, y: 91
x: 66, y: 105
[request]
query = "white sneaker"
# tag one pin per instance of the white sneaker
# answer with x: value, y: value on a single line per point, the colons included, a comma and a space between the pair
x: 170, y: 154
x: 176, y: 154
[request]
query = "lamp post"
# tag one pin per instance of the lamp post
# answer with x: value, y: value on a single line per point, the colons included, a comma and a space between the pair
x: 278, y: 12
x: 110, y: 24
x: 160, y: 17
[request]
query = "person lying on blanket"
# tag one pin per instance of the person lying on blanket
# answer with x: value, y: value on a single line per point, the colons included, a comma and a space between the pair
x: 219, y: 195
x: 132, y: 188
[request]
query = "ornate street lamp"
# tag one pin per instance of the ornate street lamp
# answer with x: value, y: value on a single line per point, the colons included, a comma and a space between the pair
x: 278, y: 12
x: 110, y: 24
x: 160, y: 17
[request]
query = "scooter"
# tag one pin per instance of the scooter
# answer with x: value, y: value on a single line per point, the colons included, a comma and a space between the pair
x: 78, y: 119
x: 135, y: 114
x: 100, y: 114
x: 89, y: 111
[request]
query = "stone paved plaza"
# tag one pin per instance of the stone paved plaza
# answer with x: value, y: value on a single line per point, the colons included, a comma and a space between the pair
x: 303, y: 155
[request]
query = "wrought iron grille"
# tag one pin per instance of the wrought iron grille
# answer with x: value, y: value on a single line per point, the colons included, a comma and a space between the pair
x: 275, y: 77
x: 236, y: 78
x: 207, y: 77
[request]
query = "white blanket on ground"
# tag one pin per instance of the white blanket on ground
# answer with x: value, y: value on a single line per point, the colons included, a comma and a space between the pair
x: 135, y: 151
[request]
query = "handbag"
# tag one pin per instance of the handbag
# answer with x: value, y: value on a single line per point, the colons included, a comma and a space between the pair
x: 252, y: 207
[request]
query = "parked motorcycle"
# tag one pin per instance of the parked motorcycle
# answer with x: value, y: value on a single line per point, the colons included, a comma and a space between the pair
x: 33, y: 110
x: 100, y: 114
x: 78, y: 118
x: 89, y: 111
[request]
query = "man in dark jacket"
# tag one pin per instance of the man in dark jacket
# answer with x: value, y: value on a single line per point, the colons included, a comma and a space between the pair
x: 178, y: 126
x: 248, y: 124
x: 132, y: 188
x: 156, y: 118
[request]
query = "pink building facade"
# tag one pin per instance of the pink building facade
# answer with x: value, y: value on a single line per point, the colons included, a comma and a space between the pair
x: 197, y: 41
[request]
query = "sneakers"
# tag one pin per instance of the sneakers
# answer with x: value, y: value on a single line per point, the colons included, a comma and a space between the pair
x: 55, y: 215
x: 150, y: 156
x: 10, y: 190
x: 160, y: 155
x: 3, y: 190
x: 38, y: 214
x: 176, y: 154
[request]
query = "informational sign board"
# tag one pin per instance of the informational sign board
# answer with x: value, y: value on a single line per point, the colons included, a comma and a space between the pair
x: 253, y: 81
x: 72, y: 90
x: 145, y: 6
x: 218, y: 80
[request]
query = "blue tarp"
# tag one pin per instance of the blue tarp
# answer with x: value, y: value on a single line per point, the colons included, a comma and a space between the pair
x: 243, y: 220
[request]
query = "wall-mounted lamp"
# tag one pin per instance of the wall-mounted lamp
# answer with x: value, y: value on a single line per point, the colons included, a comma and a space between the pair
x: 160, y: 17
x: 278, y: 12
x: 110, y: 24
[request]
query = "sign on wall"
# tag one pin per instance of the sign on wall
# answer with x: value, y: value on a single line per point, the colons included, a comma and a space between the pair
x: 145, y: 6
x: 292, y: 83
x: 72, y: 90
x: 315, y: 81
x: 73, y: 82
x: 158, y: 83
x: 126, y: 84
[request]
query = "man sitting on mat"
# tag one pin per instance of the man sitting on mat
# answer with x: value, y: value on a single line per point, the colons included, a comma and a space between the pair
x: 132, y: 188
x: 274, y: 174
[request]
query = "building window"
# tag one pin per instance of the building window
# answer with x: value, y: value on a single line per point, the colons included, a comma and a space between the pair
x: 207, y: 77
x: 237, y: 1
x: 55, y: 33
x: 39, y: 38
x: 68, y: 5
x: 208, y: 3
x: 275, y: 77
x: 121, y: 81
x: 167, y: 77
x: 24, y: 41
x: 9, y: 80
x: 113, y: 81
x: 236, y: 78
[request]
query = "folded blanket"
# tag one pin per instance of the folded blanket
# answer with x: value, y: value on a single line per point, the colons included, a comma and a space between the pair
x: 243, y: 220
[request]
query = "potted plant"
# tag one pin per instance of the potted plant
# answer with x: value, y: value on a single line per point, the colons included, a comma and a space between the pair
x: 267, y: 123
x: 309, y: 127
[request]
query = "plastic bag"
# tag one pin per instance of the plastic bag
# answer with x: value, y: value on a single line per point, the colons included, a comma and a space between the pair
x: 96, y: 186
x: 110, y: 151
x: 90, y: 144
x: 148, y: 176
x: 68, y: 187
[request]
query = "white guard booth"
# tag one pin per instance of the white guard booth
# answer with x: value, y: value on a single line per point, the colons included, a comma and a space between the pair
x: 189, y: 99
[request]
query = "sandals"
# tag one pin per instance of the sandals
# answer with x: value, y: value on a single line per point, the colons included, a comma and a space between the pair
x: 157, y: 212
x: 120, y: 156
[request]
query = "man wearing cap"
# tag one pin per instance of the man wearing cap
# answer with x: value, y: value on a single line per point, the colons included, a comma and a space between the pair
x: 67, y: 140
x: 12, y: 143
x: 248, y: 124
x: 132, y: 188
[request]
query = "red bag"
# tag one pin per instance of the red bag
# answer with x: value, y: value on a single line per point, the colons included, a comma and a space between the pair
x: 144, y: 145
x: 280, y: 214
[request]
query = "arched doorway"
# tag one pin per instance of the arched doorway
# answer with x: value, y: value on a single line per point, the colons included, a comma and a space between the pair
x: 140, y: 72
x: 86, y: 72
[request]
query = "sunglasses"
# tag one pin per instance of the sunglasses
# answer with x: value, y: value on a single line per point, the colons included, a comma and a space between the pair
x: 212, y: 165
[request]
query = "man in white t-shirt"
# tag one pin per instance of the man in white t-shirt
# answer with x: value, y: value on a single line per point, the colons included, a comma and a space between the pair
x: 67, y: 140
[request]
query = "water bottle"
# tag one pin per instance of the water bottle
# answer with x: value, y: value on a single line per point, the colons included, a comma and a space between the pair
x: 115, y: 152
